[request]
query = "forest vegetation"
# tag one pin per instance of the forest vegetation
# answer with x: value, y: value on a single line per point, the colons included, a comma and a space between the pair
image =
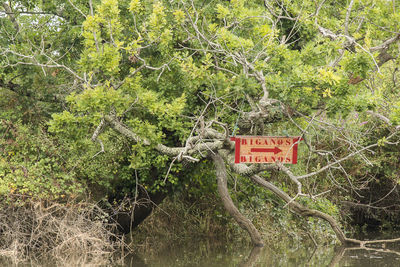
x: 108, y: 108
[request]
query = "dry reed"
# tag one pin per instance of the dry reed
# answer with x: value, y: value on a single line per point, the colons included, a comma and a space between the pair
x: 69, y: 234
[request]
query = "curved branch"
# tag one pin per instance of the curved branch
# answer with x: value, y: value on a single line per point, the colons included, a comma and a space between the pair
x: 306, y: 212
x: 386, y: 43
x: 242, y: 168
x: 182, y: 152
x: 243, y: 222
x: 302, y: 210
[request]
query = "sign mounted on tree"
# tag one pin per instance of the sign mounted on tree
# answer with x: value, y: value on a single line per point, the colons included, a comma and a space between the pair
x: 265, y: 149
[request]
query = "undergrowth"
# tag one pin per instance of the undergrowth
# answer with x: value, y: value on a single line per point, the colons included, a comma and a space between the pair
x: 180, y: 221
x: 68, y: 234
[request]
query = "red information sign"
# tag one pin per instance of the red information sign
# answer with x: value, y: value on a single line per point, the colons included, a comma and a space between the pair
x: 265, y: 149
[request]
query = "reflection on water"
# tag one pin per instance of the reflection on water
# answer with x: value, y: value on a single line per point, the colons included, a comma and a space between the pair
x: 207, y: 254
x: 213, y: 254
x: 369, y: 257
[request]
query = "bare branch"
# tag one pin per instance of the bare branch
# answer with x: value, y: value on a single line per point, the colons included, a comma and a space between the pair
x: 346, y: 22
x: 34, y: 62
x: 380, y: 116
x: 183, y: 152
x: 318, y: 9
x: 77, y: 9
x: 270, y: 10
x: 242, y: 168
x: 291, y: 176
x: 102, y: 148
x: 335, y: 162
x: 98, y: 130
x: 386, y: 43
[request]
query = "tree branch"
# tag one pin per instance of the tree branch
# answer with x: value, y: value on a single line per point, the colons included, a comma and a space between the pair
x: 346, y: 23
x: 183, y: 152
x: 11, y: 14
x: 386, y: 43
x: 230, y: 207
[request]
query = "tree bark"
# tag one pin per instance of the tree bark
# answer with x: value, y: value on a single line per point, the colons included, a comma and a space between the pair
x: 243, y: 222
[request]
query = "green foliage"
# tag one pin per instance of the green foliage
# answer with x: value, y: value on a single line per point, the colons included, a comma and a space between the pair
x: 158, y: 65
x: 33, y: 165
x: 321, y: 204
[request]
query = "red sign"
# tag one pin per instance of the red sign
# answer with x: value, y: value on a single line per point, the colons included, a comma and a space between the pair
x: 265, y: 149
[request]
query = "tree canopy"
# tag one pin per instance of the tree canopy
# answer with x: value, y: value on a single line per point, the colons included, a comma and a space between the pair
x: 139, y: 98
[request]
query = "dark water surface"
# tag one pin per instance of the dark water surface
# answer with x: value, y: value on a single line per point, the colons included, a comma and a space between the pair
x: 207, y: 254
x: 213, y: 254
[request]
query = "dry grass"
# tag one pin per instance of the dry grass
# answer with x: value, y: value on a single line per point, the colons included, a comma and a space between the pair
x: 72, y: 234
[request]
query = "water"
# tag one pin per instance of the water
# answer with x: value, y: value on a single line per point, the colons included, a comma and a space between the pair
x: 213, y: 254
x: 208, y: 254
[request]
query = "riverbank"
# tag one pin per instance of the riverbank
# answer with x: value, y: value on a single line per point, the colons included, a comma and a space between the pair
x: 180, y: 232
x: 177, y: 220
x: 60, y: 234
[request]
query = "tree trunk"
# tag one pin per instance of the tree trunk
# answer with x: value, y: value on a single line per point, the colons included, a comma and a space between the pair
x: 130, y: 219
x: 243, y: 222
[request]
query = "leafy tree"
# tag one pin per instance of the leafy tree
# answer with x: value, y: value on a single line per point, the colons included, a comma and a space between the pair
x: 147, y: 89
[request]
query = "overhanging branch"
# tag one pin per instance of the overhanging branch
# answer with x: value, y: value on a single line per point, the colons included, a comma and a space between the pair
x: 183, y: 152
